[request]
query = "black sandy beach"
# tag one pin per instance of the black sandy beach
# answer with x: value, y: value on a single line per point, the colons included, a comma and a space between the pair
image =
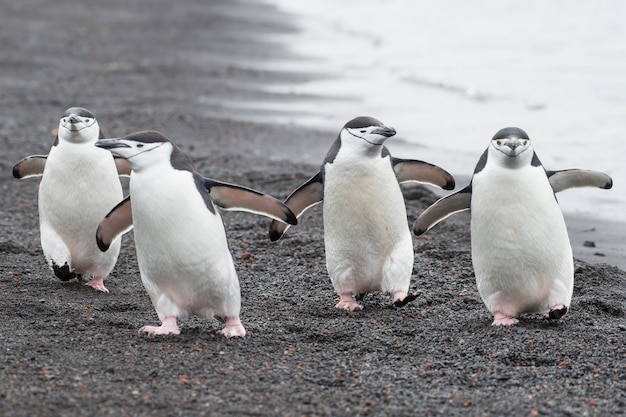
x: 67, y: 350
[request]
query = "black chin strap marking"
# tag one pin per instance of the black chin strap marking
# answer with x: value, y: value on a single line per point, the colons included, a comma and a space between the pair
x: 147, y: 150
x: 360, y: 137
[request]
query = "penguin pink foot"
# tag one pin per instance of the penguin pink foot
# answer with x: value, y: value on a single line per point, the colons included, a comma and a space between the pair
x: 346, y: 302
x: 97, y: 283
x: 167, y: 327
x: 501, y: 319
x: 233, y: 328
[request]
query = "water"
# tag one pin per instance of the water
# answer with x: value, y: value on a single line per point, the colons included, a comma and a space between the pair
x: 449, y: 74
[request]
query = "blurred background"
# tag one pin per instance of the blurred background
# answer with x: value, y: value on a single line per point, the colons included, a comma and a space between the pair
x: 449, y: 74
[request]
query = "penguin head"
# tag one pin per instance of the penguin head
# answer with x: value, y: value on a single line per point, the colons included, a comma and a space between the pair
x: 365, y: 134
x: 140, y: 149
x: 511, y: 144
x: 78, y: 125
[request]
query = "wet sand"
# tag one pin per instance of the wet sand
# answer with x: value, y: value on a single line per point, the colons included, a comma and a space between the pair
x: 68, y: 350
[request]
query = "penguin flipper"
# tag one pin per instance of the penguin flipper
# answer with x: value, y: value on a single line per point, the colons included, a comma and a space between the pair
x: 116, y: 223
x: 411, y: 170
x: 442, y: 209
x: 572, y: 178
x: 235, y: 197
x: 304, y: 197
x: 31, y: 166
x: 123, y: 167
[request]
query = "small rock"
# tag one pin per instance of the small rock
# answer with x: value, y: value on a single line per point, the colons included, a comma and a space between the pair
x: 589, y: 244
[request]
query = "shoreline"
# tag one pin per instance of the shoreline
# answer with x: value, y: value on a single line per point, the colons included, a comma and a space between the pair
x: 69, y: 350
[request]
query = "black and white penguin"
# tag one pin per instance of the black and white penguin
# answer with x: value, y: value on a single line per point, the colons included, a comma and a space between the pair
x: 366, y: 234
x: 182, y: 251
x: 79, y: 185
x: 521, y: 252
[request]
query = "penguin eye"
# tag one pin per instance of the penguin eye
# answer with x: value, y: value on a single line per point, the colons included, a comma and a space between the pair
x: 140, y: 145
x: 499, y: 142
x: 524, y: 142
x: 86, y: 120
x: 363, y: 131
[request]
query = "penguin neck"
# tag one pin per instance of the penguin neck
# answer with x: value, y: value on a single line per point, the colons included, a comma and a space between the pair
x: 85, y: 136
x: 362, y: 149
x: 142, y: 166
x: 75, y: 138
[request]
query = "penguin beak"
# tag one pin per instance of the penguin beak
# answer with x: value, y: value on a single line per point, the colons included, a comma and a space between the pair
x: 73, y: 119
x: 111, y: 144
x: 514, y: 144
x: 384, y: 131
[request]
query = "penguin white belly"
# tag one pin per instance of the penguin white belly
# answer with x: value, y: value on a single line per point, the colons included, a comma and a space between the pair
x: 80, y: 185
x: 366, y: 233
x: 521, y: 252
x: 184, y: 260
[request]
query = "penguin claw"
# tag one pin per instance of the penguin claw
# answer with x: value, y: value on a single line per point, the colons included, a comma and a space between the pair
x: 97, y: 284
x: 349, y: 306
x: 401, y: 302
x: 152, y: 331
x: 168, y: 327
x: 501, y: 319
x: 64, y: 272
x: 557, y: 312
x: 233, y: 328
x: 346, y: 302
x: 228, y: 333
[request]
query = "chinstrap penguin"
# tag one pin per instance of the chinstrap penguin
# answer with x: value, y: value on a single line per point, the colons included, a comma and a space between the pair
x: 521, y: 252
x: 366, y: 233
x: 79, y: 185
x: 182, y: 251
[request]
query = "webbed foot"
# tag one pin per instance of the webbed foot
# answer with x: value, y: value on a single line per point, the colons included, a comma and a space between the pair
x: 168, y: 327
x: 346, y: 302
x: 233, y: 328
x: 501, y: 319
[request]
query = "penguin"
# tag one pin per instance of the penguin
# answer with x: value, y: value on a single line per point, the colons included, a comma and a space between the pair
x: 183, y: 255
x: 367, y: 239
x: 79, y: 185
x: 521, y: 253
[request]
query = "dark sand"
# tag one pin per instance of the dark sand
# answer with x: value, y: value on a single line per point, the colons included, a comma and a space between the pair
x: 68, y: 350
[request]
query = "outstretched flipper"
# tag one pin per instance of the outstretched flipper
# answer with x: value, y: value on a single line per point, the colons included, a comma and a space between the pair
x: 442, y: 209
x: 411, y: 170
x: 571, y: 178
x: 235, y: 197
x: 116, y: 223
x: 31, y: 166
x: 307, y: 195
